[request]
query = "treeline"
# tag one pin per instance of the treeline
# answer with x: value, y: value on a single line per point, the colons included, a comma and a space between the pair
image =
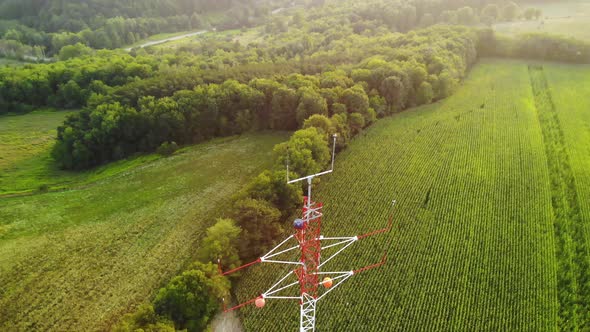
x: 259, y: 214
x: 109, y: 24
x: 70, y: 83
x: 418, y: 13
x: 45, y: 29
x: 353, y: 96
x: 535, y: 46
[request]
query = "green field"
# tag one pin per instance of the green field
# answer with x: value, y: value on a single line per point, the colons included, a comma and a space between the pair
x: 25, y: 156
x: 567, y: 18
x: 77, y: 260
x: 488, y: 235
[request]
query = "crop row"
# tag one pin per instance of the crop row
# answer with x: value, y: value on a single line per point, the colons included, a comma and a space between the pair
x: 572, y: 249
x: 473, y: 244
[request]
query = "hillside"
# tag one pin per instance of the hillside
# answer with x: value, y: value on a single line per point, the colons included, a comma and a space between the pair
x: 482, y: 240
x: 79, y: 259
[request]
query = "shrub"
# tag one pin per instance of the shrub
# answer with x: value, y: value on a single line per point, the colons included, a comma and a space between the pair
x: 167, y: 149
x: 192, y: 298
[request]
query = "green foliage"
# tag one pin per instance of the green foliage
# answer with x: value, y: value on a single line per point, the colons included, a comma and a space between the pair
x: 356, y: 121
x: 310, y: 103
x: 167, y: 148
x: 221, y: 242
x: 535, y: 46
x: 490, y: 13
x: 321, y: 123
x: 111, y: 24
x: 425, y: 94
x: 189, y: 299
x: 510, y: 11
x: 144, y: 319
x: 307, y: 150
x: 73, y: 51
x: 260, y: 223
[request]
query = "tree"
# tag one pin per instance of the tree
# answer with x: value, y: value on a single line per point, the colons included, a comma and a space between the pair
x: 357, y: 101
x: 144, y: 319
x: 356, y: 122
x: 510, y: 11
x: 319, y: 122
x: 221, y: 242
x: 190, y: 299
x: 339, y: 108
x: 340, y: 123
x: 268, y: 87
x: 531, y: 13
x: 260, y: 223
x: 379, y: 104
x: 466, y: 16
x: 284, y: 104
x: 334, y: 79
x: 492, y: 11
x: 166, y: 121
x: 393, y: 90
x: 73, y: 51
x: 71, y: 94
x: 424, y: 94
x: 271, y: 187
x: 446, y: 85
x: 307, y: 150
x: 310, y: 102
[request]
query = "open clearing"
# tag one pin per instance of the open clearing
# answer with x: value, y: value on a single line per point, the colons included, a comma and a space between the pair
x: 488, y: 235
x: 567, y: 18
x: 79, y: 259
x: 25, y: 156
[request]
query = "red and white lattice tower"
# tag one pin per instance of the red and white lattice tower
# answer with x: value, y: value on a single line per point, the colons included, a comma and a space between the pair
x: 308, y: 271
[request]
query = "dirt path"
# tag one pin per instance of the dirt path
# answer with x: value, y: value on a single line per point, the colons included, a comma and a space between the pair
x: 165, y: 40
x: 227, y: 322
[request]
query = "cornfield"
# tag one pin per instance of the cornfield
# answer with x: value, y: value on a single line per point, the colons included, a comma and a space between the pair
x: 478, y: 241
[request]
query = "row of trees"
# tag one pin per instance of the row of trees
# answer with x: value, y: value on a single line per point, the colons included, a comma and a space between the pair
x: 70, y: 83
x: 108, y: 24
x: 356, y: 96
x: 535, y: 46
x: 412, y: 14
x: 260, y: 212
x: 124, y: 24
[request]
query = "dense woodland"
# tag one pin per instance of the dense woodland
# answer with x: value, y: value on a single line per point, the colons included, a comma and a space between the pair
x: 314, y: 62
x: 328, y: 69
x: 33, y: 29
x: 51, y: 25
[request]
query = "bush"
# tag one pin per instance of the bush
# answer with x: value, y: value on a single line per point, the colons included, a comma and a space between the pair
x: 144, y: 319
x: 167, y: 149
x: 221, y: 242
x: 191, y: 299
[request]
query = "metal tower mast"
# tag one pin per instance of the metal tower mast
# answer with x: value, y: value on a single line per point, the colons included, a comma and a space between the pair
x: 308, y: 269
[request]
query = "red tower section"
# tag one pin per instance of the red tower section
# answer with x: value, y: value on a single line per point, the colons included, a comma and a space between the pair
x: 309, y: 241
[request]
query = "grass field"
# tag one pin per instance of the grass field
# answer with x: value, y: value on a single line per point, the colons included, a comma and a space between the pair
x: 76, y: 260
x: 491, y: 225
x: 569, y: 18
x: 25, y: 156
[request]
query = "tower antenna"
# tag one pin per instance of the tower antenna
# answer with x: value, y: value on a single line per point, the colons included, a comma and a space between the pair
x: 308, y: 269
